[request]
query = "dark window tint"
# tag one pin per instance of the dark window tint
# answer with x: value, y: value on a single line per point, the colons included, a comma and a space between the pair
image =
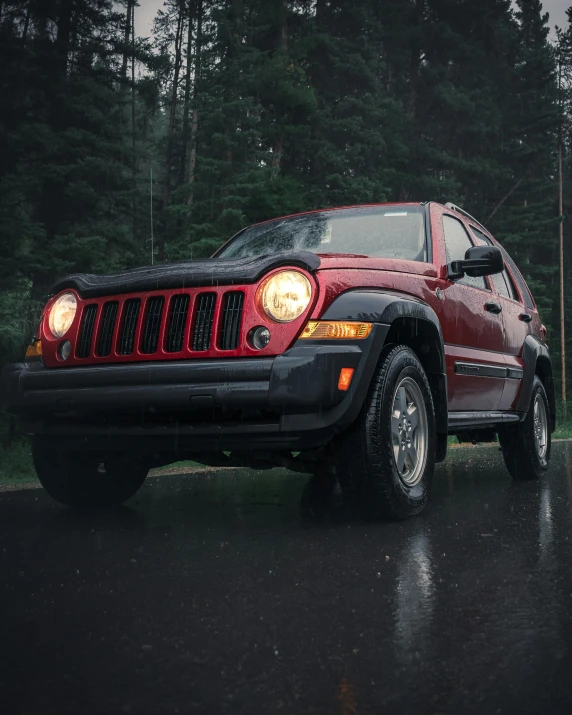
x: 457, y: 243
x: 501, y: 281
x: 389, y: 232
x: 520, y: 280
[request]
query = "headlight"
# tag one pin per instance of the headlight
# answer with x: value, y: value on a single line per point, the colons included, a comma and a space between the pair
x: 286, y: 295
x: 62, y: 314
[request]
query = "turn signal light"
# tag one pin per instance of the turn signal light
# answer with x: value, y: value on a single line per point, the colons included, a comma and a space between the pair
x: 335, y: 330
x: 34, y: 350
x: 346, y: 374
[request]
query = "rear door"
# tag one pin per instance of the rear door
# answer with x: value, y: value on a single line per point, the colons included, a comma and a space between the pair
x: 472, y: 328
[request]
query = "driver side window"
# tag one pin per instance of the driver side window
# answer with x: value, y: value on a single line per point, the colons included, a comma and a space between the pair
x: 457, y: 243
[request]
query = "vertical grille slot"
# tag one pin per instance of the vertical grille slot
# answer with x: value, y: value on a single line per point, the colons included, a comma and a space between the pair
x: 152, y: 326
x: 204, y: 316
x: 108, y: 318
x: 86, y: 328
x: 231, y: 320
x: 178, y: 311
x: 127, y: 336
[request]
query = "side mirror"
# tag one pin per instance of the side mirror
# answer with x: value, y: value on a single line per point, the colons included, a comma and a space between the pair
x: 479, y: 261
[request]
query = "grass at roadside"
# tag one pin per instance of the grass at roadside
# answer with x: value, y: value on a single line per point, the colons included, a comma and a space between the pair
x: 16, y: 463
x: 16, y: 466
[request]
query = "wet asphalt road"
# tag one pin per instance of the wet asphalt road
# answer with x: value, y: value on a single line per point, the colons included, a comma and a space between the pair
x: 222, y: 593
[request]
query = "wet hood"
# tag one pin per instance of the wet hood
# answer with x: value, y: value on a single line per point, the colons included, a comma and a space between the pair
x: 185, y: 274
x: 350, y: 261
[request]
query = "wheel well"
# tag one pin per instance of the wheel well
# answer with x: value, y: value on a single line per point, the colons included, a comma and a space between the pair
x: 423, y: 337
x: 544, y: 371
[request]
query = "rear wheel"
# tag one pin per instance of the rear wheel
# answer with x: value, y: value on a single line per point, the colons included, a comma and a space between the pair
x: 387, y: 458
x: 85, y: 479
x: 526, y: 446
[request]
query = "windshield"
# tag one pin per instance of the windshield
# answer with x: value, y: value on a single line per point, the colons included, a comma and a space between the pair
x: 385, y: 232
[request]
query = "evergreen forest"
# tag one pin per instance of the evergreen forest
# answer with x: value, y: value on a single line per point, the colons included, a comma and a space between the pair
x: 118, y: 150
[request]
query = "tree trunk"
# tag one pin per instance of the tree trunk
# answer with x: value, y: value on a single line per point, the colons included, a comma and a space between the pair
x: 171, y: 132
x: 279, y: 142
x: 26, y: 22
x: 415, y: 62
x: 320, y: 10
x: 187, y: 101
x: 50, y: 207
x: 63, y: 36
x: 195, y: 119
x: 133, y: 126
x: 129, y: 12
x: 230, y: 95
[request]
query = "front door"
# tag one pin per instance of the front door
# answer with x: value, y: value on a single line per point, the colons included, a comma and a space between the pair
x: 517, y: 316
x: 472, y: 331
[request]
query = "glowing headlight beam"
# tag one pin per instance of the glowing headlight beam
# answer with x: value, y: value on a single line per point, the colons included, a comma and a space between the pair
x: 285, y: 296
x: 62, y: 314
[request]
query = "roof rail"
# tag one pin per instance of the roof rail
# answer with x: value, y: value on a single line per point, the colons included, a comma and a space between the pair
x: 458, y: 209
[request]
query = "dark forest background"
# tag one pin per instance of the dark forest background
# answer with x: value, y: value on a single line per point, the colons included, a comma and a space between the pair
x: 113, y: 147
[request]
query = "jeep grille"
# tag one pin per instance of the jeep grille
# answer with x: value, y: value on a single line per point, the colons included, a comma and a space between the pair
x: 146, y: 325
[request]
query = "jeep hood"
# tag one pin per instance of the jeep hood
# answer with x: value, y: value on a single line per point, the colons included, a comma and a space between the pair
x: 185, y: 274
x: 350, y: 261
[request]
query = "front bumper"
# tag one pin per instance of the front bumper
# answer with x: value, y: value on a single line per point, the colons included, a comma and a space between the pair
x: 287, y: 402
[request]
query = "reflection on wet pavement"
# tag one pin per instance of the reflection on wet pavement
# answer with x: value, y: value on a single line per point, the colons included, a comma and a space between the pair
x: 242, y: 592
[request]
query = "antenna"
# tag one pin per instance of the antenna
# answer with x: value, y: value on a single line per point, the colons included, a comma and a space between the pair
x: 151, y: 204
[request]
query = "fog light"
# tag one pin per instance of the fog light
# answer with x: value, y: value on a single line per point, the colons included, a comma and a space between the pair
x: 65, y: 350
x: 346, y: 374
x: 259, y: 337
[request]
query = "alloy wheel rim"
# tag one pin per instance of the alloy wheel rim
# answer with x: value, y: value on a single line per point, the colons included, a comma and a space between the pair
x: 409, y: 431
x: 540, y: 426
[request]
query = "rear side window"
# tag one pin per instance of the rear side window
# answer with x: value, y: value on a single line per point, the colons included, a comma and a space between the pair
x: 502, y: 281
x: 457, y: 243
x: 526, y: 296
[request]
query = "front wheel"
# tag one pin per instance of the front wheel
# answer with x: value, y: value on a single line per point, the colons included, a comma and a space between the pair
x: 85, y: 479
x: 526, y: 446
x: 387, y: 458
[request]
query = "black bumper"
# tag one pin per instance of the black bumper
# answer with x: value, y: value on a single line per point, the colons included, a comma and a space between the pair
x: 288, y: 402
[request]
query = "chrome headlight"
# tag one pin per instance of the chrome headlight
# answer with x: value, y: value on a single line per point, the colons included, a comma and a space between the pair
x: 285, y: 296
x: 62, y: 314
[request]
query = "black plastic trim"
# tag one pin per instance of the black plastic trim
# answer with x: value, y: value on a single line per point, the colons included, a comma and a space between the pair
x: 187, y: 274
x: 533, y: 350
x: 428, y: 232
x: 475, y: 369
x: 287, y: 402
x: 479, y: 420
x: 373, y: 306
x: 386, y: 307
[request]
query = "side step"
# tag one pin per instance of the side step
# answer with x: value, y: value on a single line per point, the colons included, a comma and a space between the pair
x: 479, y: 420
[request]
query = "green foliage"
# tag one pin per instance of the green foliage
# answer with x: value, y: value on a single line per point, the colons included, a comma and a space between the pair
x: 16, y: 467
x: 248, y: 109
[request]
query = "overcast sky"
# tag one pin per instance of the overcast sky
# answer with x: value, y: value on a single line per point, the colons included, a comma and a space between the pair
x: 147, y: 10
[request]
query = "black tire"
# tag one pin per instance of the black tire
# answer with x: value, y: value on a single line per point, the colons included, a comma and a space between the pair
x: 520, y: 447
x: 367, y: 467
x: 85, y: 479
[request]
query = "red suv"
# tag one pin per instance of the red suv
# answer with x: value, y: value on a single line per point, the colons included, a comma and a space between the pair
x: 352, y: 340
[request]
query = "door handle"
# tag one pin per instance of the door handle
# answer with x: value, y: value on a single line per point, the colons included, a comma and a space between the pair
x: 493, y: 308
x: 525, y: 317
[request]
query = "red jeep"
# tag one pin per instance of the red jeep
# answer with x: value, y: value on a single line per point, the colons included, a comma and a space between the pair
x: 353, y: 339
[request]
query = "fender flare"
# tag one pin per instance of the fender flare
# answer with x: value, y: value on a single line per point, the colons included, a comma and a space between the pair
x: 535, y: 353
x: 378, y: 306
